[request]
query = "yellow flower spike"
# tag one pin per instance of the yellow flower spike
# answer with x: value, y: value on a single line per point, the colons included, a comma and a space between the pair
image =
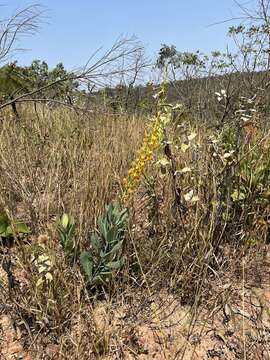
x: 152, y: 140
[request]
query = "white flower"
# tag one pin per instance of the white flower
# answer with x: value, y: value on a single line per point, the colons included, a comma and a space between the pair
x: 223, y: 92
x: 48, y: 276
x: 185, y: 147
x: 185, y: 169
x: 228, y: 154
x: 192, y: 136
x: 190, y: 197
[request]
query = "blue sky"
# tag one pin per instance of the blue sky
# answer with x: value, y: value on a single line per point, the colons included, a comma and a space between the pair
x: 75, y: 29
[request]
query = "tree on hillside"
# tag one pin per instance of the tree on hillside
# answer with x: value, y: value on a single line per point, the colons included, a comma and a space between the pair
x: 16, y: 80
x: 38, y: 75
x: 10, y: 83
x: 244, y: 71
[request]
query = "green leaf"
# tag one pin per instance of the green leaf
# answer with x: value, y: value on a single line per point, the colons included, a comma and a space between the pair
x: 111, y: 235
x: 87, y: 264
x: 8, y: 231
x: 123, y: 215
x: 103, y: 229
x: 63, y: 239
x: 65, y: 220
x: 106, y: 244
x: 96, y: 242
x: 101, y: 279
x: 66, y: 230
x: 4, y: 222
x: 70, y: 230
x: 238, y: 196
x: 21, y: 228
x: 3, y: 228
x: 117, y: 248
x: 114, y: 265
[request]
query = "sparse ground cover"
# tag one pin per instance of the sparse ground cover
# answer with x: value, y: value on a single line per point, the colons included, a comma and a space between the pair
x: 134, y: 219
x: 194, y: 271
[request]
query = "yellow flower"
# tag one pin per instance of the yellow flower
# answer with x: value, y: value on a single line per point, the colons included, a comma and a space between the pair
x: 151, y: 141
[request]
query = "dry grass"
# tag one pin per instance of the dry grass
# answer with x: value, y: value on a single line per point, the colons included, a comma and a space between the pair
x: 64, y: 162
x: 57, y: 161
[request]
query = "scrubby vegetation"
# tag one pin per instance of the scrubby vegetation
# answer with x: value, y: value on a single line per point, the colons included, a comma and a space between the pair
x: 138, y: 220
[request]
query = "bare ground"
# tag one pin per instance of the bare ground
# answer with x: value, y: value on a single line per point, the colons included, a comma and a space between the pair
x: 233, y: 324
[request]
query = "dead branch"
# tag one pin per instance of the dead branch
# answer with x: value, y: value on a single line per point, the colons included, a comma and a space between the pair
x: 22, y: 23
x: 120, y: 60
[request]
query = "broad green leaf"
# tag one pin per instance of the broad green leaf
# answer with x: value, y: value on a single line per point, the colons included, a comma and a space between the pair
x: 8, y: 231
x: 4, y: 223
x: 71, y: 230
x: 111, y: 234
x: 114, y: 265
x: 87, y: 264
x: 96, y: 242
x: 116, y: 248
x: 3, y: 228
x: 21, y: 227
x: 104, y: 229
x: 65, y: 220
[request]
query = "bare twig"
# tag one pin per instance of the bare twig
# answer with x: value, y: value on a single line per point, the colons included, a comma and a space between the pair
x: 24, y: 22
